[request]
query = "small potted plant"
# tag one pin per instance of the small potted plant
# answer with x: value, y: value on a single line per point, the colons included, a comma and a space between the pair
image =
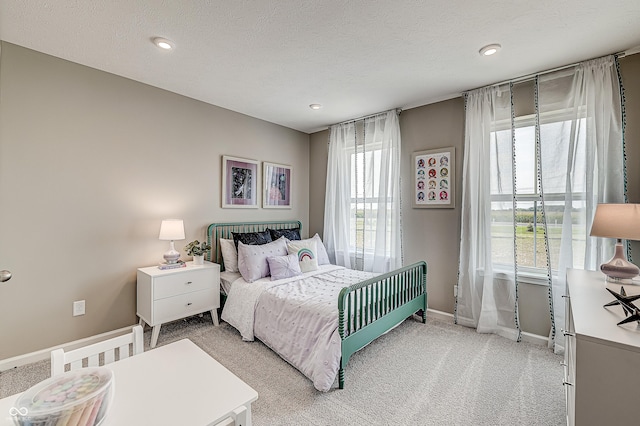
x: 197, y: 250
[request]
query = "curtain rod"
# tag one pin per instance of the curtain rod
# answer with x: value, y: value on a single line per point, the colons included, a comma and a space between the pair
x: 398, y: 111
x: 530, y: 76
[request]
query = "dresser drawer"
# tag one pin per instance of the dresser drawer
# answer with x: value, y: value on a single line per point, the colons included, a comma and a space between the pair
x: 185, y: 305
x: 184, y: 282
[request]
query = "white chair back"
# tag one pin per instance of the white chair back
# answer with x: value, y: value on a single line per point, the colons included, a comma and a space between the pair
x: 100, y: 353
x: 237, y: 418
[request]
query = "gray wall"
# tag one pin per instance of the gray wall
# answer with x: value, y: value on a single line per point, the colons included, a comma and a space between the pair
x: 90, y: 163
x: 434, y: 234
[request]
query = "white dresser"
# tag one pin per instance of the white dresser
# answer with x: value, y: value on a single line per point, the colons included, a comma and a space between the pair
x: 602, y: 359
x: 171, y: 294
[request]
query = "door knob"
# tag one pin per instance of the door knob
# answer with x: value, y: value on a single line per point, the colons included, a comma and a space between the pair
x: 5, y: 276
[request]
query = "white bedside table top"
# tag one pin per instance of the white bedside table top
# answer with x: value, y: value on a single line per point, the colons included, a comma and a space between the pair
x: 155, y: 271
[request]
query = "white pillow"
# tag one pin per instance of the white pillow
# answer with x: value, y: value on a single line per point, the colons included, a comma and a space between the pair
x: 284, y: 266
x: 229, y: 255
x: 252, y: 259
x: 323, y: 257
x: 306, y: 252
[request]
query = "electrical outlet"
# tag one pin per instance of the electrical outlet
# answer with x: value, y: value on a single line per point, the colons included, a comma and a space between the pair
x: 78, y: 308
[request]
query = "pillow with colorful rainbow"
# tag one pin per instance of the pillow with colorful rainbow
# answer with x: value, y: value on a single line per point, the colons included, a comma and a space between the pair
x: 306, y: 252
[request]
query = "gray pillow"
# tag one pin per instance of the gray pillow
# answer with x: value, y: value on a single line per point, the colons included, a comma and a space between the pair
x: 252, y: 259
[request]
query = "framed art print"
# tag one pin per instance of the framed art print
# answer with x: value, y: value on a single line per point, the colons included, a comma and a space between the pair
x: 239, y: 183
x: 277, y: 186
x: 434, y: 178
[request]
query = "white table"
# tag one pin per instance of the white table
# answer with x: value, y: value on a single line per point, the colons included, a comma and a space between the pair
x: 176, y: 384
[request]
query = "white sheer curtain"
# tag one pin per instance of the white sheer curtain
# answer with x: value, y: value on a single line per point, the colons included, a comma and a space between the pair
x: 362, y: 202
x: 530, y: 187
x: 486, y: 298
x: 581, y: 156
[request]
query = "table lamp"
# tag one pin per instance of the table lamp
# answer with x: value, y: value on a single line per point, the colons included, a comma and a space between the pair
x: 619, y: 221
x: 171, y: 230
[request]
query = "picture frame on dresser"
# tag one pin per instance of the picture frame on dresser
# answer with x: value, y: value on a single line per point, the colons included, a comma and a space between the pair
x: 276, y: 180
x: 239, y: 182
x: 434, y: 178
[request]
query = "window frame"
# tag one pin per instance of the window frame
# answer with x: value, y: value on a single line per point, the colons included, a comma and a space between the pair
x: 533, y: 274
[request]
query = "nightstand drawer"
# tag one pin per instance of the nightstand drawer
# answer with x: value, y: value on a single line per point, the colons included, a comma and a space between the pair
x: 184, y: 282
x: 185, y: 305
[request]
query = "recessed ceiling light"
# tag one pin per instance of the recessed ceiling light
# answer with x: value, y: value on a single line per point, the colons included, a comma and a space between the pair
x: 490, y: 49
x: 315, y: 106
x: 163, y: 43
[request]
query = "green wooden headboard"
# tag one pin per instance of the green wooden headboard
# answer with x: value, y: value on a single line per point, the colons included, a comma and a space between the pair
x: 215, y: 231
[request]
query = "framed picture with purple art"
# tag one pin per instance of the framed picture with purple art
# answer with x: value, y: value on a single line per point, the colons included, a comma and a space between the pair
x: 277, y: 186
x: 434, y: 178
x: 239, y: 183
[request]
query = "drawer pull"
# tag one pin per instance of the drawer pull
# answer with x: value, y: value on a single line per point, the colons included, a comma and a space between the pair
x: 566, y: 296
x: 567, y: 333
x: 189, y: 304
x: 189, y: 282
x: 564, y: 364
x: 567, y: 384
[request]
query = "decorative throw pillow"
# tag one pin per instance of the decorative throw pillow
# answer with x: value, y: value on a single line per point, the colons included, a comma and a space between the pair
x: 284, y: 266
x: 229, y: 255
x: 321, y: 251
x: 290, y: 234
x: 252, y: 259
x: 306, y: 253
x: 252, y: 238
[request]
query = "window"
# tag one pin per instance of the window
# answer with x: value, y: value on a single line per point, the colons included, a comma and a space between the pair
x: 526, y: 198
x: 362, y: 205
x: 365, y: 201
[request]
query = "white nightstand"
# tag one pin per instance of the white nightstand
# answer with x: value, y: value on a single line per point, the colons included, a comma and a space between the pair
x: 170, y: 294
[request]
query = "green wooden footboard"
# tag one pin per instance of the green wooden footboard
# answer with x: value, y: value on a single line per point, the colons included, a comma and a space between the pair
x: 370, y: 308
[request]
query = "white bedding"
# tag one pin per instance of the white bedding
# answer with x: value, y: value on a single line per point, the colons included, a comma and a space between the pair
x: 296, y: 317
x: 226, y: 279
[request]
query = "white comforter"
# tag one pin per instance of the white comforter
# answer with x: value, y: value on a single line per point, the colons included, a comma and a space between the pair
x: 296, y: 317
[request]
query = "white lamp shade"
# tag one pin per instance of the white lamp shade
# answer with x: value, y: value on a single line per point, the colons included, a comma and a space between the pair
x: 172, y: 229
x: 621, y: 221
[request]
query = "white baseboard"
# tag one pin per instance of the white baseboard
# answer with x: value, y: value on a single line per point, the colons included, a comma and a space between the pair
x: 439, y: 315
x: 17, y: 361
x: 526, y: 337
x: 534, y: 339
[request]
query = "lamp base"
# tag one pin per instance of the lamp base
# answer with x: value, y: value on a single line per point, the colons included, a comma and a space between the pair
x: 171, y: 256
x: 619, y: 268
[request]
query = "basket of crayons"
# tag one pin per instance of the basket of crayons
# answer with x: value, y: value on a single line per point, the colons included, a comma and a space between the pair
x: 75, y: 398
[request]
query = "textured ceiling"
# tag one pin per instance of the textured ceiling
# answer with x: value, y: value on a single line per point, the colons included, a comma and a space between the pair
x: 270, y: 59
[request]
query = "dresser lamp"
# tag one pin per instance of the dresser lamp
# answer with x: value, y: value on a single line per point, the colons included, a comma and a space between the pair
x: 622, y: 222
x: 171, y: 230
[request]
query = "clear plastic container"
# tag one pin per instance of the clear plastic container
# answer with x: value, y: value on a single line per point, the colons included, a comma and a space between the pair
x: 75, y: 398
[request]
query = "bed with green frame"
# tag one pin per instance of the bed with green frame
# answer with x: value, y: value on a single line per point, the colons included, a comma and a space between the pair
x: 366, y: 310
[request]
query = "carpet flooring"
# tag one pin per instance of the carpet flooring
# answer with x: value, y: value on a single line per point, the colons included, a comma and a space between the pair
x: 417, y: 374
